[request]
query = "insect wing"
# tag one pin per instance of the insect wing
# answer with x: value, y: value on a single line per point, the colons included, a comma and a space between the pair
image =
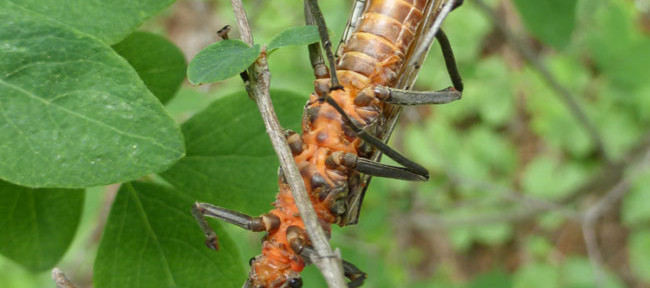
x: 436, y: 11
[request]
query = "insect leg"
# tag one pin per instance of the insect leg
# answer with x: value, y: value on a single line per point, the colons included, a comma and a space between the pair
x: 266, y: 222
x: 407, y: 97
x: 450, y: 61
x: 353, y: 273
x: 381, y: 146
x: 350, y: 271
x: 319, y: 20
x: 372, y: 168
x: 322, y: 74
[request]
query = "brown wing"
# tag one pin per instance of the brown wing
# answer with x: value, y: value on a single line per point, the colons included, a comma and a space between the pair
x: 436, y: 11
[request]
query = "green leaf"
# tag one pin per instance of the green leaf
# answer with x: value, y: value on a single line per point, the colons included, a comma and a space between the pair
x: 152, y: 240
x: 230, y: 161
x: 159, y: 63
x: 110, y: 21
x: 639, y: 249
x: 545, y: 178
x: 616, y: 44
x: 537, y: 275
x: 577, y: 272
x: 552, y: 21
x: 294, y: 36
x: 494, y: 278
x: 37, y: 225
x: 221, y: 60
x: 73, y: 113
x: 636, y: 204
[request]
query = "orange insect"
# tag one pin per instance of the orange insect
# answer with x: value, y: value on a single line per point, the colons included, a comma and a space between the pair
x: 344, y: 131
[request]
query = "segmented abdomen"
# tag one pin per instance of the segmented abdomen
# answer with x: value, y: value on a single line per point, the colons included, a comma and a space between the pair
x: 372, y: 56
x: 377, y: 48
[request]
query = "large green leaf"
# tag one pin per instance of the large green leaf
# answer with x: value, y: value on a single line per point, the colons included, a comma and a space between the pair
x: 37, y: 225
x: 229, y: 159
x: 160, y: 64
x: 109, y: 21
x: 72, y: 112
x: 221, y: 60
x: 294, y: 36
x: 152, y: 240
x: 552, y: 21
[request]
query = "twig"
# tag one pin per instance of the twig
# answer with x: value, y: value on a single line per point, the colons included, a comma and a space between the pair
x: 562, y: 92
x: 327, y: 261
x: 61, y: 280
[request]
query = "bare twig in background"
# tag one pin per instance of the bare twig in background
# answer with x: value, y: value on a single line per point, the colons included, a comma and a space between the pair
x: 593, y: 213
x: 565, y: 96
x: 61, y: 280
x: 327, y: 261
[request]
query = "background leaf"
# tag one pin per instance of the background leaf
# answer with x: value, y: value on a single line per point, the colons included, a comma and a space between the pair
x: 152, y: 240
x: 221, y: 60
x: 37, y: 224
x: 230, y: 161
x: 159, y: 63
x: 295, y: 36
x: 75, y: 113
x: 109, y: 21
x: 639, y: 249
x: 552, y: 21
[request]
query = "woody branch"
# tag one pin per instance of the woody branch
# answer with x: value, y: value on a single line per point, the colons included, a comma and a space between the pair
x: 327, y: 261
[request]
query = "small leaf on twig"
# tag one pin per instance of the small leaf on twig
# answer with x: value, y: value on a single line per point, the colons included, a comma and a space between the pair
x: 294, y: 36
x: 221, y: 60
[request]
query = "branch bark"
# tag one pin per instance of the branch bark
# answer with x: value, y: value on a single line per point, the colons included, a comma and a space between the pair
x: 61, y: 280
x: 328, y: 262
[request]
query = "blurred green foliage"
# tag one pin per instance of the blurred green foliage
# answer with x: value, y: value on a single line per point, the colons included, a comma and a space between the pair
x: 509, y: 146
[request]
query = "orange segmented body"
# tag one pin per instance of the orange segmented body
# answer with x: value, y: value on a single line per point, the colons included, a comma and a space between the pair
x: 374, y: 54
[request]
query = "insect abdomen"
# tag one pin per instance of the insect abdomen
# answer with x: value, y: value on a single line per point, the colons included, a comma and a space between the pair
x: 376, y: 50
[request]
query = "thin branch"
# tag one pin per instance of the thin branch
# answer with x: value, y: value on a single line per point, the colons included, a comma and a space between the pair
x: 327, y: 261
x: 61, y: 280
x: 591, y: 241
x: 562, y: 92
x: 242, y: 22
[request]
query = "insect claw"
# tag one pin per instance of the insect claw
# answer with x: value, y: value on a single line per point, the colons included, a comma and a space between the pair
x: 212, y: 242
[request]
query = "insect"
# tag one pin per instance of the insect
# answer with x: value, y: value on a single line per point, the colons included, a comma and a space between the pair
x: 346, y: 124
